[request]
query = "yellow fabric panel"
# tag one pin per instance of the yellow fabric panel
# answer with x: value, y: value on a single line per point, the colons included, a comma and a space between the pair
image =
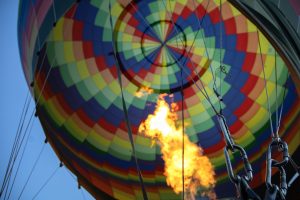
x: 115, y: 87
x: 262, y: 99
x: 68, y: 52
x: 259, y: 119
x: 74, y: 127
x: 245, y: 139
x: 98, y: 141
x: 82, y: 69
x: 264, y: 44
x: 57, y: 32
x: 118, y: 194
x: 99, y: 81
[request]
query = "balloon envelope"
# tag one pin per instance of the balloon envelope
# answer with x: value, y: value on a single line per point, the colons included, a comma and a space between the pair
x: 173, y: 47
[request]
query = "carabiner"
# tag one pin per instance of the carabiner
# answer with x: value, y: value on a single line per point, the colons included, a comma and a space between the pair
x: 282, y: 188
x: 283, y: 147
x: 225, y: 130
x: 247, y: 166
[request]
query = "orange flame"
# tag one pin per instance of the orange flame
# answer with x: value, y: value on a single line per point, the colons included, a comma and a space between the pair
x: 143, y: 91
x: 198, y: 171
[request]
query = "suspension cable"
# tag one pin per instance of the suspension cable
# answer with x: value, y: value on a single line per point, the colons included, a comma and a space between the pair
x: 170, y: 8
x: 83, y: 195
x: 280, y: 190
x: 73, y: 177
x: 266, y: 88
x: 16, y: 139
x: 79, y: 187
x: 22, y: 156
x: 283, y: 97
x: 20, y: 137
x: 18, y: 144
x: 183, y: 126
x: 221, y: 49
x: 231, y: 146
x: 204, y: 41
x: 205, y: 94
x: 193, y: 65
x: 71, y: 174
x: 183, y: 129
x: 47, y: 181
x: 276, y: 94
x: 32, y: 169
x: 292, y: 162
x: 144, y: 21
x: 126, y: 111
x: 148, y: 26
x: 182, y: 121
x: 13, y: 163
x: 30, y: 119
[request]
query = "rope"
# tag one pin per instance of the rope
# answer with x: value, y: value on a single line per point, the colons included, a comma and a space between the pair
x: 170, y: 8
x: 221, y: 46
x: 144, y: 21
x: 31, y: 171
x: 12, y: 154
x: 202, y: 85
x: 31, y: 117
x: 204, y: 42
x: 83, y: 196
x: 19, y: 139
x: 276, y: 92
x: 126, y: 112
x: 22, y: 156
x: 82, y: 193
x: 183, y: 128
x: 266, y: 89
x: 17, y: 148
x: 181, y: 66
x: 46, y: 182
x: 182, y: 112
x: 194, y: 67
x: 54, y: 12
x: 276, y: 191
x: 205, y: 94
x: 71, y: 174
x: 280, y: 114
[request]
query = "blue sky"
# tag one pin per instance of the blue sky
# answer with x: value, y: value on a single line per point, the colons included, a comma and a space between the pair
x: 13, y: 93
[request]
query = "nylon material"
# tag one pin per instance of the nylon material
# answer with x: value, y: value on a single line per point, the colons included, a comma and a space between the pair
x: 85, y: 64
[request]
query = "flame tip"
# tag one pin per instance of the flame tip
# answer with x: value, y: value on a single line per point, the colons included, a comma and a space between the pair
x: 163, y: 128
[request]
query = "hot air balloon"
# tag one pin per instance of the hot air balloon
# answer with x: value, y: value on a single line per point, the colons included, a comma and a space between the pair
x: 87, y: 61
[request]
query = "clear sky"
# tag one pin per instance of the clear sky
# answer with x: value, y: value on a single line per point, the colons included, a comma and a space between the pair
x: 13, y: 93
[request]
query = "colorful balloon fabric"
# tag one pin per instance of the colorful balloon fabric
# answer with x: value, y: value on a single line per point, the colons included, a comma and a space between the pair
x: 71, y: 52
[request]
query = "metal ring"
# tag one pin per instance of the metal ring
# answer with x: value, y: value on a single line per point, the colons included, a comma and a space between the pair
x: 247, y: 166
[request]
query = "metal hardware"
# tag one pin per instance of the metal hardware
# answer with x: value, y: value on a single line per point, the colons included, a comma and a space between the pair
x: 225, y: 130
x: 281, y: 146
x: 247, y: 166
